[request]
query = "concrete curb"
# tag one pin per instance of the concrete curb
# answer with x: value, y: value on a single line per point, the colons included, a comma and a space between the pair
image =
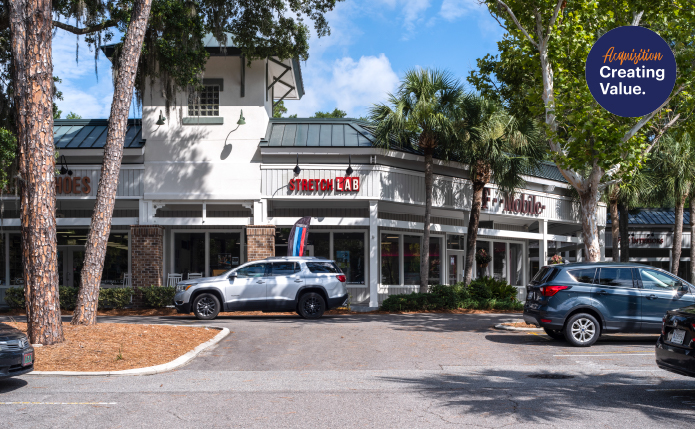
x: 150, y: 370
x: 513, y: 328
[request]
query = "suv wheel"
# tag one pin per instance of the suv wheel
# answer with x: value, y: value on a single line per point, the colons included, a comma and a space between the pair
x: 311, y: 306
x: 206, y: 306
x: 582, y: 330
x: 555, y: 334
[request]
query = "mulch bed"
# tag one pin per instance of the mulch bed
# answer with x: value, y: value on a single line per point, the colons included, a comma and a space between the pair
x: 520, y: 325
x: 117, y: 346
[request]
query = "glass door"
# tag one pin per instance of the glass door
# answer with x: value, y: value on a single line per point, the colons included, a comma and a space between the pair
x: 456, y: 262
x: 70, y: 261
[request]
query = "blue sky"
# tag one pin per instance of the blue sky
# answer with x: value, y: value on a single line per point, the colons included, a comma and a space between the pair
x: 372, y: 43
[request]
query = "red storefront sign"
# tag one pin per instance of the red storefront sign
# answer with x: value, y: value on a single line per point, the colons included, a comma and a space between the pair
x: 526, y: 204
x: 73, y: 185
x: 342, y: 184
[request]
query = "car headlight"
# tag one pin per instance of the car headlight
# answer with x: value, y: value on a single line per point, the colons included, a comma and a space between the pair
x: 183, y: 287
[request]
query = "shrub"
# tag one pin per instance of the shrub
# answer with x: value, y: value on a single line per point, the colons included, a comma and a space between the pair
x: 14, y: 297
x: 479, y: 290
x: 158, y: 296
x: 118, y: 297
x: 68, y: 297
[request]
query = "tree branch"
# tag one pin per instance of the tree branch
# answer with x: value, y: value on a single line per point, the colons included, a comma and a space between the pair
x: 87, y: 30
x: 518, y: 24
x: 642, y: 122
x: 636, y: 17
x: 556, y: 12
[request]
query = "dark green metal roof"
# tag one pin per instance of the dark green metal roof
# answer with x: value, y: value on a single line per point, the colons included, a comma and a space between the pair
x: 91, y: 133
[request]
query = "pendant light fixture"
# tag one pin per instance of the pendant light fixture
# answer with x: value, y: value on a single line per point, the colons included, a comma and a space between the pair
x: 296, y: 169
x: 349, y: 169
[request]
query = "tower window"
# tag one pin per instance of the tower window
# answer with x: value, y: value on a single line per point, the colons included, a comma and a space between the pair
x: 205, y: 102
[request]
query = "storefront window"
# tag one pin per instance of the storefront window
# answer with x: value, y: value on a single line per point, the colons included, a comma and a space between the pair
x: 435, y: 268
x: 16, y: 270
x: 390, y: 269
x: 281, y: 237
x: 349, y: 254
x: 455, y: 242
x: 533, y: 250
x: 225, y: 251
x: 116, y: 260
x: 411, y: 259
x: 516, y: 264
x: 321, y: 242
x: 189, y: 253
x: 485, y: 269
x: 499, y: 259
x: 2, y: 259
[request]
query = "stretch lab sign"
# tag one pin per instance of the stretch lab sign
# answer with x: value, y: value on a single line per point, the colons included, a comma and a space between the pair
x: 339, y: 184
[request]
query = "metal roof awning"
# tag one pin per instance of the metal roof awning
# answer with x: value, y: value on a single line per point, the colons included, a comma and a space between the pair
x: 91, y: 134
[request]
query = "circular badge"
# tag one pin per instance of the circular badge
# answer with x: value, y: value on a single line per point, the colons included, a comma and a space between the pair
x: 630, y: 71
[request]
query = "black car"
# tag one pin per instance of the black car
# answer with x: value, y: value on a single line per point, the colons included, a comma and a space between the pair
x: 578, y: 302
x: 675, y: 349
x: 16, y: 354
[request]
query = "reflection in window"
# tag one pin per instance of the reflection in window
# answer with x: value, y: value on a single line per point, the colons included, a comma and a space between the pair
x: 499, y: 256
x: 321, y: 242
x: 189, y: 253
x: 485, y: 269
x: 349, y: 254
x: 615, y: 277
x: 390, y: 270
x: 655, y: 280
x: 585, y: 275
x: 516, y: 264
x: 16, y: 269
x: 411, y: 259
x: 284, y: 268
x: 455, y: 242
x: 251, y: 271
x: 435, y: 267
x: 116, y: 260
x: 225, y: 251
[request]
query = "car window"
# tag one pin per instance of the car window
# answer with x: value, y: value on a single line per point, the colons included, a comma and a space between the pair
x: 619, y: 277
x: 284, y: 268
x: 585, y: 275
x: 546, y: 274
x: 323, y: 267
x: 250, y: 271
x: 656, y: 280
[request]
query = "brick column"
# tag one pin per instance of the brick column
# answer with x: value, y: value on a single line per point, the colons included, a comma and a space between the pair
x: 260, y: 242
x: 147, y: 258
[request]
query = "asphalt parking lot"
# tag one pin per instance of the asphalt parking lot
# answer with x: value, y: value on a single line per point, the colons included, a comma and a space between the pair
x: 420, y: 370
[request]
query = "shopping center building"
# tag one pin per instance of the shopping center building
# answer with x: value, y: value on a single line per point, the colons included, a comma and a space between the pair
x: 214, y: 182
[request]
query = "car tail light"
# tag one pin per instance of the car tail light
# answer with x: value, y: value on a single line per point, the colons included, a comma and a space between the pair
x: 552, y: 290
x: 546, y: 320
x: 341, y: 278
x: 663, y: 325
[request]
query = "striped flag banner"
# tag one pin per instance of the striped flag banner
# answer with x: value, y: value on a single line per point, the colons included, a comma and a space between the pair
x: 296, y: 243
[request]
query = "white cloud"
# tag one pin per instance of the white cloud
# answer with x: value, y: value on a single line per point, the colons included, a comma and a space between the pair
x: 454, y: 9
x: 82, y: 93
x: 347, y: 84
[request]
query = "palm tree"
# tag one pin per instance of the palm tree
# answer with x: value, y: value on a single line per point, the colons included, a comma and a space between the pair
x: 419, y: 116
x: 497, y: 148
x: 673, y: 166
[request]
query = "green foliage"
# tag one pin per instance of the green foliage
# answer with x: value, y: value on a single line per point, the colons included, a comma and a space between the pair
x: 158, y: 296
x: 108, y: 297
x: 8, y: 150
x: 482, y: 294
x: 587, y: 136
x: 336, y: 113
x: 117, y: 297
x: 73, y: 115
x: 279, y: 109
x: 14, y: 297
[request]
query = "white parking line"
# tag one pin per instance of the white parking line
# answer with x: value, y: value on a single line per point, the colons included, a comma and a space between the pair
x: 608, y: 354
x: 57, y: 403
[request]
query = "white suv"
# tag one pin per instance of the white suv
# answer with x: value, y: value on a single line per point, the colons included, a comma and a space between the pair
x: 306, y: 285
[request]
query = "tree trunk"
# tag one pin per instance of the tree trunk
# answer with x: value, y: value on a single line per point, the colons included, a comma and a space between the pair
x: 472, y: 234
x: 31, y: 32
x: 692, y: 244
x: 677, y: 235
x: 425, y: 249
x: 624, y: 231
x: 615, y: 224
x: 589, y: 211
x: 98, y: 236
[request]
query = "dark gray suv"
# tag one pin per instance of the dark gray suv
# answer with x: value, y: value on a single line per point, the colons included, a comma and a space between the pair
x: 578, y: 302
x: 305, y: 284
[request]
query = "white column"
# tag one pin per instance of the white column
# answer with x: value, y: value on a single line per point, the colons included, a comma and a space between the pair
x: 260, y: 216
x: 373, y: 254
x: 602, y: 243
x: 543, y: 251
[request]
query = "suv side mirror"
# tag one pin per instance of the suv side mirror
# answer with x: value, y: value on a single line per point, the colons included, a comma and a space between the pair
x: 683, y: 287
x: 232, y: 275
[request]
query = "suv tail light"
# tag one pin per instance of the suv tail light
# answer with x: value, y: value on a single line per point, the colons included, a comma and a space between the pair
x: 341, y: 278
x: 552, y: 290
